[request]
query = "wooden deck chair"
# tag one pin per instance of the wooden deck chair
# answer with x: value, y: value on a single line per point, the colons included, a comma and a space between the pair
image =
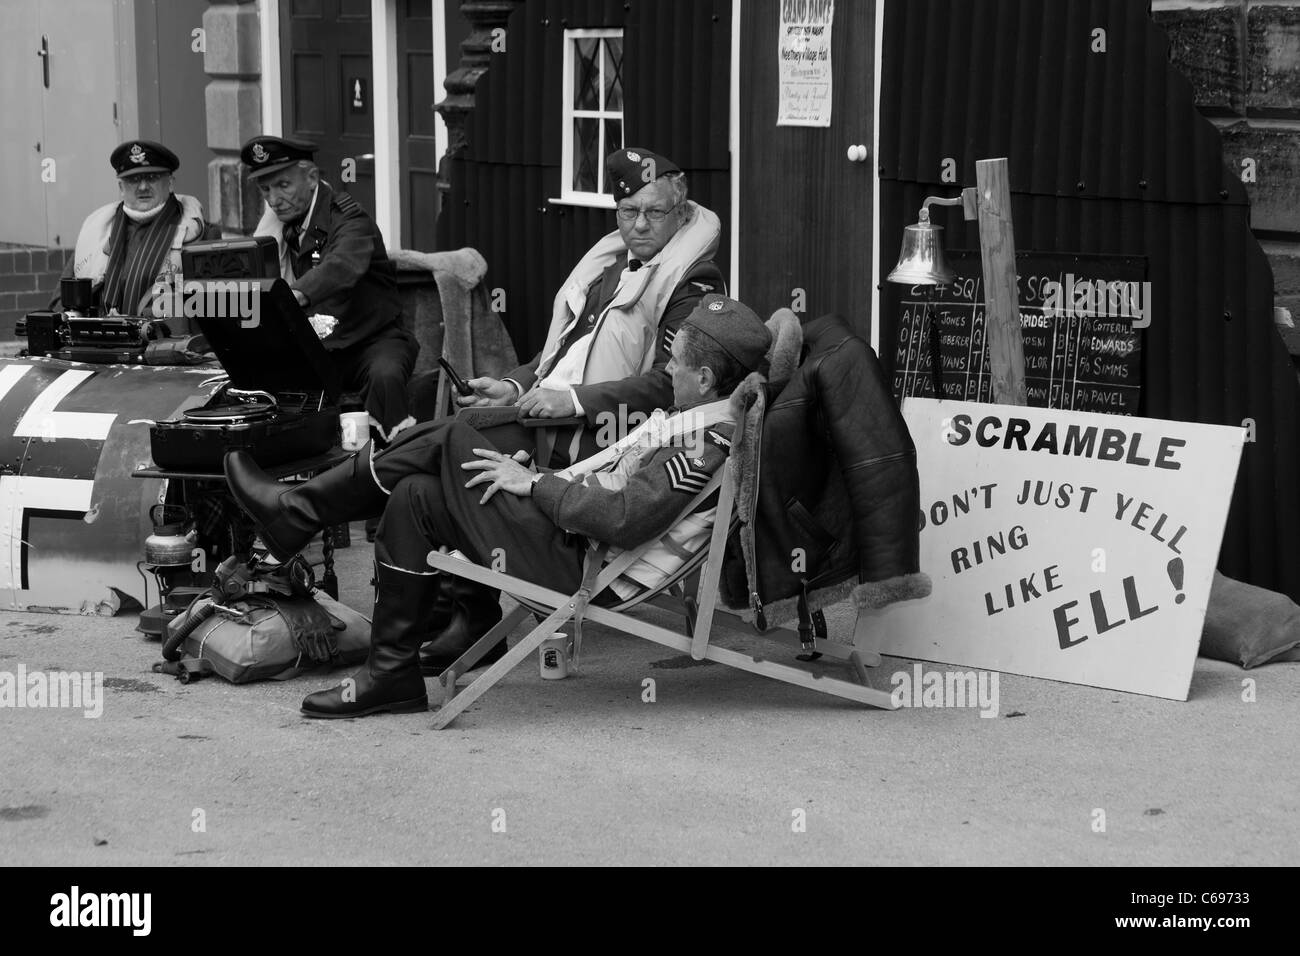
x: 701, y: 614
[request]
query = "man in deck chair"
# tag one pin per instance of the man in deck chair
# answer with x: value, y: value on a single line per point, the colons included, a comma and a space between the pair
x: 445, y: 493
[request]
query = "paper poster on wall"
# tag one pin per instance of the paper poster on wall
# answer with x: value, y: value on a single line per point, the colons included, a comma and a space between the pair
x: 803, y: 50
x: 1068, y: 545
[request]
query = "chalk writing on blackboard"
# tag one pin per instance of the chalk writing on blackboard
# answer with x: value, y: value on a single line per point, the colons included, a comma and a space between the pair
x: 1075, y: 358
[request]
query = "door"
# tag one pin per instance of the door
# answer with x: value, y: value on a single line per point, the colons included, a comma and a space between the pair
x: 416, y: 118
x: 326, y: 79
x: 59, y: 82
x: 805, y: 207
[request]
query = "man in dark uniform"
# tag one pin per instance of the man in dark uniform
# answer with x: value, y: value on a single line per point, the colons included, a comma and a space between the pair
x: 333, y: 257
x: 432, y: 497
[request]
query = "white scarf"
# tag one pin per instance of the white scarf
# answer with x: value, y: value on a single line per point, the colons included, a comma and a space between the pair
x: 148, y: 215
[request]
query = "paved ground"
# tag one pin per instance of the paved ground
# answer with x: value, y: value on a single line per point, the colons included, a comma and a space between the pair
x: 582, y: 771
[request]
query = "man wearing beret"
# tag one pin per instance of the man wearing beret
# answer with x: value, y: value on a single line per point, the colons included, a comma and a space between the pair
x: 458, y: 491
x: 333, y: 257
x: 614, y: 318
x: 131, y: 250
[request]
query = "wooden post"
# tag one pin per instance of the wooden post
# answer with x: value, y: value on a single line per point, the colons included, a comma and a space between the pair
x: 1002, y: 313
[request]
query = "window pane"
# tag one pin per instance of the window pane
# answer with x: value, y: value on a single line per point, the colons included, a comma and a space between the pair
x: 586, y: 162
x: 586, y: 74
x: 613, y: 53
x: 613, y: 135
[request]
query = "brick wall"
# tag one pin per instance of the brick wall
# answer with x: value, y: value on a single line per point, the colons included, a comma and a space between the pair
x: 28, y: 280
x: 232, y: 60
x: 1243, y: 60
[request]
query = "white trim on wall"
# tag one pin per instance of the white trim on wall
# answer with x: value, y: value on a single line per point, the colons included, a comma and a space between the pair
x: 439, y: 76
x: 600, y: 198
x: 733, y: 143
x: 128, y: 75
x: 388, y: 171
x: 268, y: 13
x: 874, y: 159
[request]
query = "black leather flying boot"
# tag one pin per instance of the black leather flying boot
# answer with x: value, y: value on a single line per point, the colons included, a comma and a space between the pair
x: 288, y: 516
x: 391, y: 680
x: 474, y: 610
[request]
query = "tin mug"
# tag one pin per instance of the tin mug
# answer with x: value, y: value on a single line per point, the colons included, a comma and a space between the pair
x: 355, y: 427
x: 553, y: 657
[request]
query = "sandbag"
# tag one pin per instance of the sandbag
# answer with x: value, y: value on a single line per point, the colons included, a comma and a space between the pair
x: 1248, y: 625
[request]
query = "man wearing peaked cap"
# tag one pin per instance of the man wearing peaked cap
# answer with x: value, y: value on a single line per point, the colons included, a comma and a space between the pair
x: 264, y: 155
x: 455, y: 490
x: 333, y: 257
x: 131, y: 249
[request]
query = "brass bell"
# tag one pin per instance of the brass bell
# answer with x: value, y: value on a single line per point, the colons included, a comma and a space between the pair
x: 921, y: 260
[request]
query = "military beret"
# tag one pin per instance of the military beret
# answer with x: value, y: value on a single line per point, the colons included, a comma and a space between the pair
x: 142, y: 156
x: 264, y: 155
x: 733, y: 327
x: 629, y: 170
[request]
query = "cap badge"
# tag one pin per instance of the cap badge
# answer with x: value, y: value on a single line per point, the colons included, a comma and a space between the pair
x: 716, y: 306
x: 137, y: 155
x: 259, y: 153
x: 634, y: 156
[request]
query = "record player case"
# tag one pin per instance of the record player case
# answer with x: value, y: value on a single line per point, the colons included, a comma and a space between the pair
x: 281, y: 401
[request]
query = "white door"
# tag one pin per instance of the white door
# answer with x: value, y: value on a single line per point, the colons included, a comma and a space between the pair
x: 22, y: 200
x: 80, y: 116
x: 59, y: 73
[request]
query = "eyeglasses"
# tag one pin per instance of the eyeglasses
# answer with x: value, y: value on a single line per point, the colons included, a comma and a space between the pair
x: 144, y: 179
x: 630, y: 213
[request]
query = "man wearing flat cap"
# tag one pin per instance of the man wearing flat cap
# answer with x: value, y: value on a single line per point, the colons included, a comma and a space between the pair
x: 333, y: 257
x: 456, y: 490
x: 130, y: 250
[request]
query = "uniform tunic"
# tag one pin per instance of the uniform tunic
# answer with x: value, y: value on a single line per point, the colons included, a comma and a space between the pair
x: 341, y: 265
x: 542, y: 538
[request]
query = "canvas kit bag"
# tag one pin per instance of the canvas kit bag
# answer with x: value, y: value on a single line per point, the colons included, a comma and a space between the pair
x: 267, y: 637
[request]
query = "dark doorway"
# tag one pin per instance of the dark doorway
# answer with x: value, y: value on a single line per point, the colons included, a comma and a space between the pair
x: 325, y: 73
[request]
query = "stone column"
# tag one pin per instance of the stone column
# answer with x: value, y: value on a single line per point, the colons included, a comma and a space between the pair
x: 485, y: 17
x: 233, y: 102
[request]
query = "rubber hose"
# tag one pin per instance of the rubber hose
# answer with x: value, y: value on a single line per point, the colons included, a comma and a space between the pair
x: 172, y: 647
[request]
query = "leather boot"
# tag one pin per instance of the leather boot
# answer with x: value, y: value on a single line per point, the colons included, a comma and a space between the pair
x: 473, y: 611
x: 391, y: 680
x: 289, y: 516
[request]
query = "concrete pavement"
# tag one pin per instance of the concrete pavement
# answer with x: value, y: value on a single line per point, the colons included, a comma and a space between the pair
x: 722, y: 768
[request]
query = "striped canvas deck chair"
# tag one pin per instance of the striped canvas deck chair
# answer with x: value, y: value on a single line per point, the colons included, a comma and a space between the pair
x: 692, y: 590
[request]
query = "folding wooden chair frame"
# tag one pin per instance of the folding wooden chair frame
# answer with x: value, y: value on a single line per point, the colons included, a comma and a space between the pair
x: 701, y: 619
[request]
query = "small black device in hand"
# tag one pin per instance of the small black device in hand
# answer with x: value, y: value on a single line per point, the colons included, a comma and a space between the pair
x: 460, y: 384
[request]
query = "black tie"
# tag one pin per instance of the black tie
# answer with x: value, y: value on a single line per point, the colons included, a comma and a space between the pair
x: 634, y: 264
x: 291, y: 236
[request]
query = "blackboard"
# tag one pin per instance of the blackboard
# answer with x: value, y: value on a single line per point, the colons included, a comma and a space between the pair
x: 1080, y: 319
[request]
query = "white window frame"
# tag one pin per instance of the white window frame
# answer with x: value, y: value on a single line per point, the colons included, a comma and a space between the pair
x: 568, y: 195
